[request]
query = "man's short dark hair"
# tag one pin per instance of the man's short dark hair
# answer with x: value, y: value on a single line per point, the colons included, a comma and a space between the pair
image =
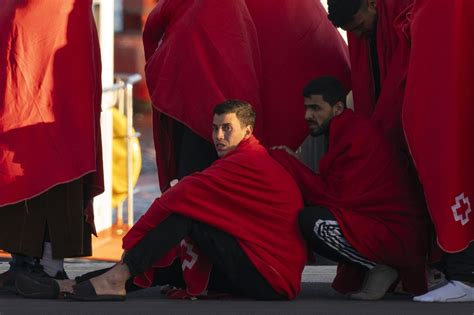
x: 329, y: 87
x: 242, y: 109
x: 341, y: 12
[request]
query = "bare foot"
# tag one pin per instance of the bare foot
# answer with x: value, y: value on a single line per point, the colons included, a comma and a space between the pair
x: 113, y: 281
x: 66, y: 285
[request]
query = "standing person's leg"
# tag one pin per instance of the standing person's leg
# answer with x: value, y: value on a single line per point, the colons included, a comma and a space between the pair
x: 49, y: 227
x: 13, y: 228
x: 460, y: 266
x: 459, y: 271
x: 193, y: 153
x: 18, y: 263
x: 66, y: 234
x: 222, y: 249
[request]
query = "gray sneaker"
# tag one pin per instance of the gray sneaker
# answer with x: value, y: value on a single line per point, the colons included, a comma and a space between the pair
x: 377, y: 281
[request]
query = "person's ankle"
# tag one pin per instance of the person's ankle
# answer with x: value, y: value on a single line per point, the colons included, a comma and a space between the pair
x: 119, y: 274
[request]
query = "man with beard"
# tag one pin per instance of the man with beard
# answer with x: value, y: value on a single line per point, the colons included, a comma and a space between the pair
x: 363, y: 211
x: 200, y: 53
x: 379, y: 58
x: 236, y: 221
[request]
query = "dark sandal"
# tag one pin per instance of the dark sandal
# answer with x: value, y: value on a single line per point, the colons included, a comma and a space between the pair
x: 85, y: 291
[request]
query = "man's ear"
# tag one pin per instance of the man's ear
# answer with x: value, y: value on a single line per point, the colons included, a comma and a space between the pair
x: 338, y: 108
x: 248, y: 131
x: 371, y: 4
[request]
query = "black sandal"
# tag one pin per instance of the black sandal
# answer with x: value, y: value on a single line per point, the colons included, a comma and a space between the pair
x: 85, y: 291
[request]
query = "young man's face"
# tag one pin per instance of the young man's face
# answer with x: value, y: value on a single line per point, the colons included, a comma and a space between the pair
x: 364, y: 21
x: 319, y: 113
x: 227, y: 133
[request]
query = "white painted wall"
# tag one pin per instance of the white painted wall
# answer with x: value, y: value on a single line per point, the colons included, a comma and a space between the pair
x: 104, y: 10
x: 343, y: 33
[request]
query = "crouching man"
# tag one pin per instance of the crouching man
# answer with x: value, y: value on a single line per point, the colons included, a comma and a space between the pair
x: 234, y: 226
x: 365, y: 212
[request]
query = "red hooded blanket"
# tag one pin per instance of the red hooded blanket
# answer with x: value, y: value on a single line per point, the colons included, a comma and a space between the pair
x: 437, y: 115
x: 393, y: 62
x: 366, y: 187
x: 250, y: 196
x: 200, y: 53
x: 50, y: 94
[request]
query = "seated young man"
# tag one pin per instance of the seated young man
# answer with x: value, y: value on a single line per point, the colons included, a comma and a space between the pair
x: 365, y: 211
x: 237, y: 222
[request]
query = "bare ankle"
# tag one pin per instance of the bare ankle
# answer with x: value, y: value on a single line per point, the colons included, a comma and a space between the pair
x: 118, y: 275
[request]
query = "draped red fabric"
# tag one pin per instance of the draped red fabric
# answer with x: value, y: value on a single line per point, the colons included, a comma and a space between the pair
x: 50, y: 96
x: 250, y: 196
x: 393, y: 57
x: 200, y: 53
x: 437, y: 115
x: 368, y: 189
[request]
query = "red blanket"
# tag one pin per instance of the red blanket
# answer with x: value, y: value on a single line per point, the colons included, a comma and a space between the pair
x: 50, y: 94
x: 200, y: 53
x: 437, y: 115
x: 368, y: 190
x: 250, y: 196
x: 393, y: 57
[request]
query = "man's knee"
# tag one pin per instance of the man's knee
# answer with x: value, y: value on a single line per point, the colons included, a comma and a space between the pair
x: 306, y: 220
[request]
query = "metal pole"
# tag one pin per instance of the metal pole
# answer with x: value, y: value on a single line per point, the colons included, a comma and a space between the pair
x: 121, y: 98
x: 121, y: 102
x: 129, y: 106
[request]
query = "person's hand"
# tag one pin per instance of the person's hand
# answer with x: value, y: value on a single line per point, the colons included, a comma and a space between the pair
x: 173, y: 182
x: 284, y: 147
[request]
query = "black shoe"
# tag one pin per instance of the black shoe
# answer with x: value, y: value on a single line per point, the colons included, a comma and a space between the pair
x: 7, y: 280
x: 32, y: 286
x: 38, y: 271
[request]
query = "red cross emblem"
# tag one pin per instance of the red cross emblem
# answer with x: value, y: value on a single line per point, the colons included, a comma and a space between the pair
x: 461, y: 209
x: 189, y: 261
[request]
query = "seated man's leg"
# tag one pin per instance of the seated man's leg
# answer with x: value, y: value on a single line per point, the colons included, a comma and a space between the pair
x: 322, y: 232
x: 238, y: 275
x: 221, y: 248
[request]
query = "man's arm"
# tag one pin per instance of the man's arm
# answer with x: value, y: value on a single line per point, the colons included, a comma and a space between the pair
x: 309, y: 183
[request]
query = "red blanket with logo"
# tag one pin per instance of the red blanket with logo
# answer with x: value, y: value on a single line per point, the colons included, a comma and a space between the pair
x: 200, y: 53
x: 50, y: 96
x: 393, y: 57
x: 248, y: 195
x: 367, y: 188
x: 437, y: 115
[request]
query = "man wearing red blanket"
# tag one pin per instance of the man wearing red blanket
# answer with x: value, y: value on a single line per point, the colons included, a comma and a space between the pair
x: 50, y: 146
x: 440, y: 139
x: 364, y: 213
x: 379, y: 58
x: 200, y: 53
x: 241, y: 213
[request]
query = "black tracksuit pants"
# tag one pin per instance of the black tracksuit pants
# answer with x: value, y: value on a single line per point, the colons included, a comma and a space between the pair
x: 233, y: 272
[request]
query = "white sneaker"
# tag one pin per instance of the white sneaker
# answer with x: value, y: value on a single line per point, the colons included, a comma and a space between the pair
x: 377, y: 282
x: 453, y: 291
